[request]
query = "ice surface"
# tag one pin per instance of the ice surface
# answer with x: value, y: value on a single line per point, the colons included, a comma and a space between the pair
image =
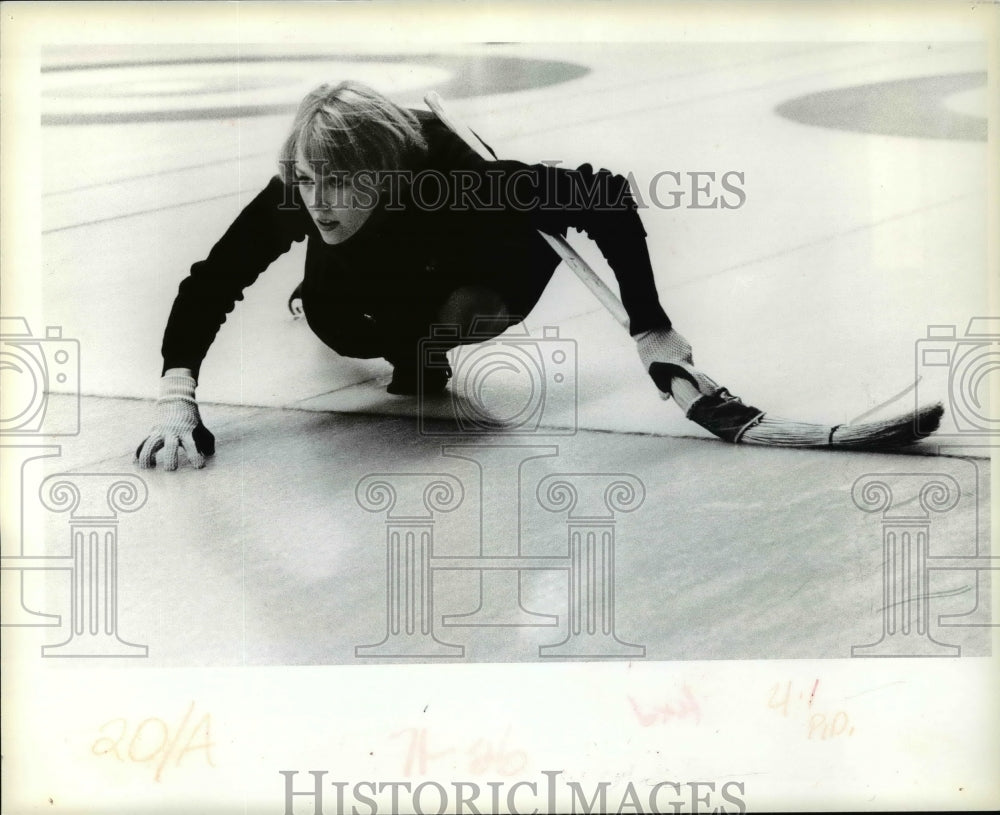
x: 807, y: 300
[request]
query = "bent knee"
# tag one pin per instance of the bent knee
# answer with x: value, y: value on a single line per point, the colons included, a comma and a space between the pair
x: 478, y: 311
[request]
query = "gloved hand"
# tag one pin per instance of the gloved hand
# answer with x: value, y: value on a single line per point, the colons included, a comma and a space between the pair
x: 178, y: 424
x: 295, y: 303
x: 666, y: 355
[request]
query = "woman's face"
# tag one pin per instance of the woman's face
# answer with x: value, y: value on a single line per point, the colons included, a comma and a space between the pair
x: 338, y: 208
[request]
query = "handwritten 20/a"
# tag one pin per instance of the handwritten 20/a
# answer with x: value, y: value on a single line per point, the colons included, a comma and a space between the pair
x: 154, y: 740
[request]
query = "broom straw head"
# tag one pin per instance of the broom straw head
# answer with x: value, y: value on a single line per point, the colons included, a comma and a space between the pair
x: 775, y: 431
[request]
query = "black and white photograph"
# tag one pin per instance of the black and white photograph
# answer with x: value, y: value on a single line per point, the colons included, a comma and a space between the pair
x: 453, y: 407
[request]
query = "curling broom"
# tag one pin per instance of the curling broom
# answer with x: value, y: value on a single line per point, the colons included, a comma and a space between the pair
x: 717, y: 410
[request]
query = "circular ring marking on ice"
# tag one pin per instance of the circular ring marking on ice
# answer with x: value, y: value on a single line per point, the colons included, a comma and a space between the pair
x: 180, y: 85
x: 916, y: 107
x: 190, y: 88
x: 151, y: 89
x: 973, y: 102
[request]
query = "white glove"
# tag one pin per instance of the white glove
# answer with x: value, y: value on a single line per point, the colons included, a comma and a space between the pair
x: 666, y: 355
x: 178, y: 424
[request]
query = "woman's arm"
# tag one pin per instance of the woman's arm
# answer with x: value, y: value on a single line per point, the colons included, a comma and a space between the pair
x: 554, y: 199
x: 601, y: 205
x: 263, y: 231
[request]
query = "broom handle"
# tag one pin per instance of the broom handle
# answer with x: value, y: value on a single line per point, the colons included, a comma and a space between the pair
x: 777, y: 431
x: 561, y: 246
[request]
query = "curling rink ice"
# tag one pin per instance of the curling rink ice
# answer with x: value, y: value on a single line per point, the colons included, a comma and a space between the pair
x: 864, y: 222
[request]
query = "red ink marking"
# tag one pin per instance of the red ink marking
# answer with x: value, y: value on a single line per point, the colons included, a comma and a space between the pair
x: 140, y: 748
x: 484, y: 755
x: 170, y: 747
x: 823, y: 726
x: 105, y: 744
x: 813, y: 694
x: 419, y: 754
x: 776, y: 702
x: 664, y: 713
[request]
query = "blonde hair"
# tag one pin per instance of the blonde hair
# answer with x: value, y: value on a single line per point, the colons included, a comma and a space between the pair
x: 351, y: 128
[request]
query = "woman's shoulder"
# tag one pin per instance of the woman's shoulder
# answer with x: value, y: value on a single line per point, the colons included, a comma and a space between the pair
x: 445, y: 150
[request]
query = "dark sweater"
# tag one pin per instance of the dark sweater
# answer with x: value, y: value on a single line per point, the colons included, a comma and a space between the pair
x: 402, y: 247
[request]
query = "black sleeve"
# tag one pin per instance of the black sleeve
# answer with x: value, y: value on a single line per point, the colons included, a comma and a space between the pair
x: 447, y: 150
x: 554, y: 198
x: 601, y: 205
x: 263, y: 231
